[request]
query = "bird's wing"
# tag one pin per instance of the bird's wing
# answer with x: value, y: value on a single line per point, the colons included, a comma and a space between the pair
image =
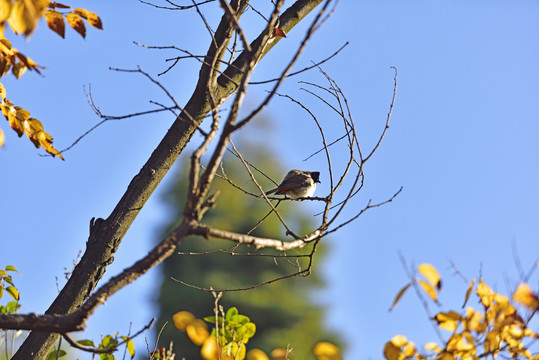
x: 295, y: 179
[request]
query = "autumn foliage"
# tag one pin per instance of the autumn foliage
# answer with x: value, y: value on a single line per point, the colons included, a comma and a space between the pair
x: 491, y: 329
x: 23, y: 16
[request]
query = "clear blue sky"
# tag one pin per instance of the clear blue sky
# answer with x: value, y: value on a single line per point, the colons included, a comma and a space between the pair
x: 463, y: 143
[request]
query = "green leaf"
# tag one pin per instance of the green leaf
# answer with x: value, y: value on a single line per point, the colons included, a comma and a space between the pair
x: 86, y: 342
x: 247, y: 331
x: 13, y: 292
x: 12, y: 268
x: 231, y: 312
x: 1, y: 291
x: 12, y: 307
x: 210, y: 319
x: 106, y: 357
x: 9, y: 280
x: 52, y: 355
x: 240, y: 319
x: 108, y: 342
x: 3, y: 273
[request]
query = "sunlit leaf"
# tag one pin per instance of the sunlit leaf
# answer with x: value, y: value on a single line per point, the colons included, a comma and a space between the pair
x: 45, y: 139
x: 13, y: 292
x: 399, y: 340
x: 130, y: 348
x: 247, y: 331
x: 22, y: 21
x: 409, y: 350
x: 233, y: 311
x: 33, y: 127
x: 485, y: 293
x: 2, y: 92
x: 197, y: 331
x: 468, y: 292
x: 431, y: 274
x: 524, y: 295
x: 2, y: 138
x: 279, y: 354
x: 86, y: 342
x: 16, y: 117
x: 429, y: 290
x: 399, y: 296
x: 1, y: 291
x: 257, y: 354
x: 432, y: 346
x: 326, y: 350
x: 75, y: 21
x: 5, y: 10
x: 55, y: 22
x: 94, y: 20
x: 210, y: 349
x: 12, y: 268
x: 448, y: 320
x: 181, y: 319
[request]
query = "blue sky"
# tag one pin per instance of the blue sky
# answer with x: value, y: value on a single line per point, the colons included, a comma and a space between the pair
x: 463, y: 143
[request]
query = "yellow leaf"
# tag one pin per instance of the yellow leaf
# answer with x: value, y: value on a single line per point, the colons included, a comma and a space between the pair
x: 449, y: 320
x: 16, y: 117
x: 18, y: 70
x: 431, y: 274
x: 75, y: 21
x: 13, y: 292
x: 83, y: 13
x: 181, y: 319
x: 94, y: 20
x: 32, y: 128
x: 485, y: 293
x: 45, y: 139
x: 392, y: 352
x: 2, y: 92
x: 2, y: 138
x: 26, y: 14
x: 473, y: 322
x: 5, y: 66
x: 326, y: 351
x: 432, y: 346
x: 429, y: 289
x: 525, y: 296
x: 409, y: 350
x: 492, y: 342
x: 55, y: 22
x: 279, y: 354
x: 399, y: 340
x: 197, y: 331
x: 398, y: 297
x: 21, y: 19
x: 5, y: 10
x: 210, y: 349
x: 468, y: 292
x: 256, y: 354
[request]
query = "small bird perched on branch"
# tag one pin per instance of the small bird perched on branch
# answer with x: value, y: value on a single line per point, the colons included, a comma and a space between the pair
x: 297, y: 184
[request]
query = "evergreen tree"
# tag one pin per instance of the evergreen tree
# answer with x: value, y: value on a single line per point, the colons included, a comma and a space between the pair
x: 283, y: 312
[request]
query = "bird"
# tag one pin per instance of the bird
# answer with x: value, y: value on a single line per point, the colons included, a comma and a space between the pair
x: 297, y: 184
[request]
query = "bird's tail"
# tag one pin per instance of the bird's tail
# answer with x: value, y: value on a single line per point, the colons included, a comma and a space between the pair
x: 272, y: 191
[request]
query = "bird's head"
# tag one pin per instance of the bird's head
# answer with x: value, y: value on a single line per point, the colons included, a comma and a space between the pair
x: 316, y: 176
